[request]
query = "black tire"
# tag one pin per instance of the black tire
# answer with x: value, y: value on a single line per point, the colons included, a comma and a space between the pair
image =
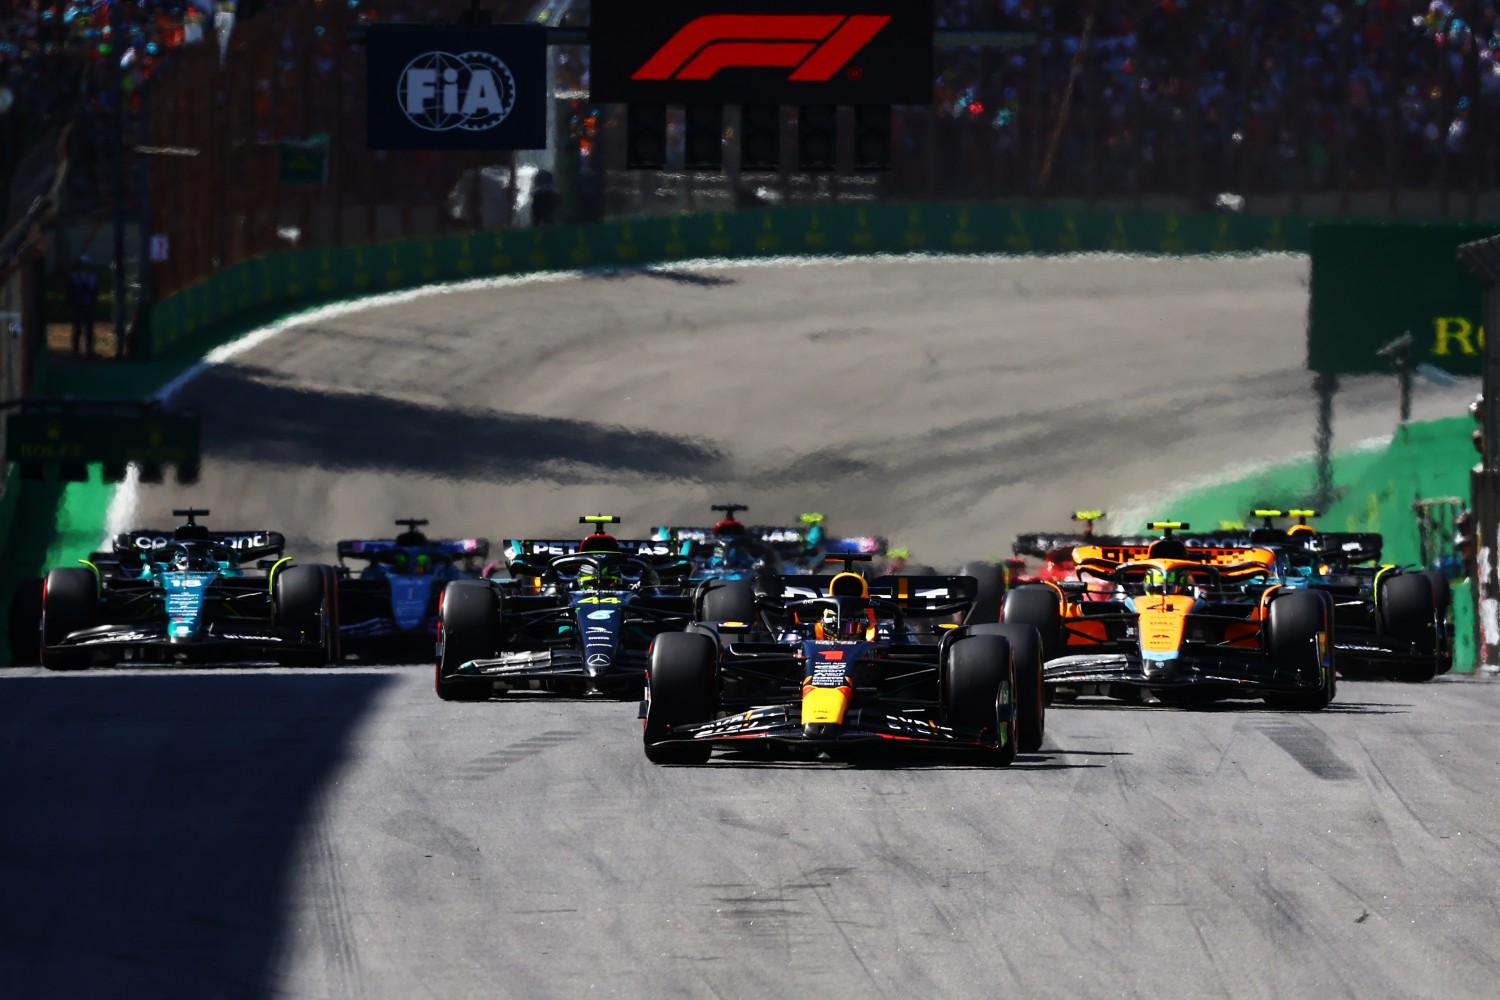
x: 728, y: 601
x: 1442, y: 596
x: 1035, y: 604
x: 991, y: 579
x: 301, y: 600
x: 1026, y: 655
x: 469, y: 627
x: 979, y: 691
x: 335, y: 639
x: 1292, y: 640
x: 70, y: 603
x: 1409, y: 610
x: 26, y: 623
x: 1442, y: 591
x: 680, y: 690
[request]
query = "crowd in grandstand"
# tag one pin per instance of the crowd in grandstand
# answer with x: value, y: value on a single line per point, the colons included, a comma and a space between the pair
x: 1102, y: 96
x: 1258, y: 94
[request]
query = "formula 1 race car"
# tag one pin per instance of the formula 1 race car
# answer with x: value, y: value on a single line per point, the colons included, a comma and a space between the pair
x: 1390, y: 621
x: 389, y: 607
x: 183, y: 596
x: 838, y: 665
x: 573, y: 618
x: 1181, y: 624
x: 803, y: 549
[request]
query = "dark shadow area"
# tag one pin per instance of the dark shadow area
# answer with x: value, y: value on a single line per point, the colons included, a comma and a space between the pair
x: 361, y: 431
x: 664, y: 274
x: 151, y: 823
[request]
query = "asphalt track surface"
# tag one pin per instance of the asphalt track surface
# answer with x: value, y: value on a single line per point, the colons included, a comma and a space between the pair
x: 341, y: 833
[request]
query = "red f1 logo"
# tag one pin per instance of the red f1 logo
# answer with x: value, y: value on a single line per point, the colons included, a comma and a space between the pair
x: 816, y: 45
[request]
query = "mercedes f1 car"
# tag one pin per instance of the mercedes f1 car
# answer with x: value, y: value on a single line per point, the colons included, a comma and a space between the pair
x: 804, y: 548
x: 1181, y: 624
x: 184, y: 596
x: 573, y: 618
x: 389, y: 606
x: 837, y: 665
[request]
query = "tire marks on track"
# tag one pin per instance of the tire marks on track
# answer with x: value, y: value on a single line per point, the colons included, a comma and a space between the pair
x: 492, y: 764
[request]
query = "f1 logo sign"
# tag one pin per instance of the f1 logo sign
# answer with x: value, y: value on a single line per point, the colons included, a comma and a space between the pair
x: 815, y: 45
x: 826, y: 52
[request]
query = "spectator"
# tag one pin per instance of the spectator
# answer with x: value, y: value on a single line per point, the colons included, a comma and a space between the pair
x: 83, y: 298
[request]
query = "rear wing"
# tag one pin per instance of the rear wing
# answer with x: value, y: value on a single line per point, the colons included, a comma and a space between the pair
x: 248, y: 546
x: 873, y: 545
x: 1350, y: 546
x: 544, y: 548
x: 1040, y: 544
x: 917, y: 595
x: 373, y: 548
x: 1218, y: 556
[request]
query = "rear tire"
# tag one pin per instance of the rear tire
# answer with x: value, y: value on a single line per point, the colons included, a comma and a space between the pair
x: 991, y: 579
x: 26, y: 623
x: 979, y: 692
x: 1295, y: 621
x: 1037, y: 605
x: 729, y: 601
x: 302, y: 600
x: 70, y: 603
x: 1026, y: 655
x: 1409, y: 610
x: 680, y: 690
x: 469, y: 629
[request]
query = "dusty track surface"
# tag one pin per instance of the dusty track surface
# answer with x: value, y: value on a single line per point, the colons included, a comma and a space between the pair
x: 342, y: 833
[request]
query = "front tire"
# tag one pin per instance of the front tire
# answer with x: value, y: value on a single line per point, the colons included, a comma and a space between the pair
x: 1294, y: 624
x: 1026, y: 654
x: 979, y: 692
x: 680, y: 690
x: 469, y: 629
x: 70, y: 603
x: 1409, y: 611
x: 728, y: 601
x: 301, y: 600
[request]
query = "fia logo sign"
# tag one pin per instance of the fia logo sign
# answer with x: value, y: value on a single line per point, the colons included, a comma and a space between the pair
x: 443, y: 91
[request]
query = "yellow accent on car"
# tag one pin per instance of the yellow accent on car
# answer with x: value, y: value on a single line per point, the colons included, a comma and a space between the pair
x: 271, y: 576
x: 1166, y: 525
x: 1087, y: 515
x: 1267, y: 513
x: 827, y: 705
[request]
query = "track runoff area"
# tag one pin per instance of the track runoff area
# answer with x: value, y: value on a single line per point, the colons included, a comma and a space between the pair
x: 341, y: 832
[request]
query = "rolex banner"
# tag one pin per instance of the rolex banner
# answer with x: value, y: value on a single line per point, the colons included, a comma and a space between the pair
x: 456, y: 88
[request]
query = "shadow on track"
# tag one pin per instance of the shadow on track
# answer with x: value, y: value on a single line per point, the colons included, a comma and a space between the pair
x: 890, y: 762
x: 337, y: 430
x: 151, y: 822
x: 1230, y: 708
x: 663, y: 274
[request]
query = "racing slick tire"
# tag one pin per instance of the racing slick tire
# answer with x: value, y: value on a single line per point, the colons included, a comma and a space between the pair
x: 991, y: 580
x: 680, y: 690
x: 1036, y: 605
x: 25, y: 622
x: 468, y: 629
x: 70, y: 603
x: 1409, y: 610
x: 1026, y: 654
x: 727, y: 601
x: 1442, y: 596
x: 303, y: 598
x: 979, y: 691
x: 1292, y: 641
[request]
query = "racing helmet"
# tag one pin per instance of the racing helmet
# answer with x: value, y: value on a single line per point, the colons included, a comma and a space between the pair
x: 729, y: 528
x: 846, y: 624
x: 602, y: 578
x: 1176, y: 580
x: 182, y: 560
x: 599, y: 542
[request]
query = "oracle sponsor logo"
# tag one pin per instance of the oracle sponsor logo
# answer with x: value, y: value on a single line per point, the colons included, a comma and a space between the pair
x: 812, y: 46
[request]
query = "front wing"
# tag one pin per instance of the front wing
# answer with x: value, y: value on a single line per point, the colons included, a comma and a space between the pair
x: 564, y: 671
x: 219, y: 642
x: 862, y: 726
x: 1248, y: 675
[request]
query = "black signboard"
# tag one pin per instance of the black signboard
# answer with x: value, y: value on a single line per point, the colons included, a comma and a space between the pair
x: 456, y: 88
x: 761, y: 51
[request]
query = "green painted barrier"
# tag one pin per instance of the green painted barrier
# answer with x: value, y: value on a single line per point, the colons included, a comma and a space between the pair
x: 257, y: 291
x: 1375, y: 489
x: 1374, y: 281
